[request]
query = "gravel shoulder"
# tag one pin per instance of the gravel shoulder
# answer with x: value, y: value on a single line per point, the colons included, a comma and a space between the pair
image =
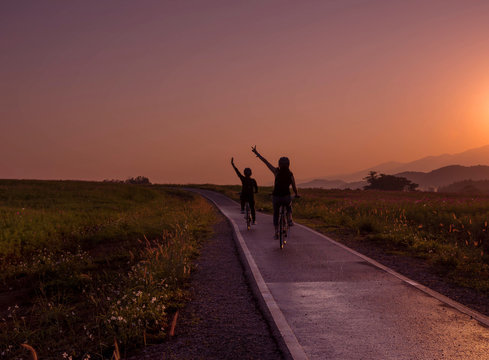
x: 223, y: 320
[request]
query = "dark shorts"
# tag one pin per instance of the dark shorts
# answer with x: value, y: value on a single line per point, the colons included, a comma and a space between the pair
x: 251, y: 200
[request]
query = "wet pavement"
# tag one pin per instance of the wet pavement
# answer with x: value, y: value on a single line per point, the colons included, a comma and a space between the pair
x: 330, y: 303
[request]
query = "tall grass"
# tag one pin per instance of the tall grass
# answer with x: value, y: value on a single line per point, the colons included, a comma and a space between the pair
x: 85, y: 263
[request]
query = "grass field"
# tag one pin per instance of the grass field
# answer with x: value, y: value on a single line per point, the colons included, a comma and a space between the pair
x: 449, y: 231
x: 84, y: 264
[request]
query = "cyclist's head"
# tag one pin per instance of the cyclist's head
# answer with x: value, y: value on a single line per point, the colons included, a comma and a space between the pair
x: 247, y: 172
x: 284, y: 162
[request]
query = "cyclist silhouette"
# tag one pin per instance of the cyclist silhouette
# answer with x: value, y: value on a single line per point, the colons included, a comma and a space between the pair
x: 281, y: 189
x: 248, y: 189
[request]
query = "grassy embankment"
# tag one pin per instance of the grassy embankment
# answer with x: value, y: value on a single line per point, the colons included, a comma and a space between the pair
x: 82, y: 264
x: 449, y: 231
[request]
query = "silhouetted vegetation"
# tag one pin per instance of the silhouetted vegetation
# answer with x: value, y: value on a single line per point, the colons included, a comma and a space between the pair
x: 388, y: 182
x: 138, y: 180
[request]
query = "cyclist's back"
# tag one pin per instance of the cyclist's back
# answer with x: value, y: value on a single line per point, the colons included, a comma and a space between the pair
x: 283, y: 181
x: 248, y: 186
x: 248, y: 189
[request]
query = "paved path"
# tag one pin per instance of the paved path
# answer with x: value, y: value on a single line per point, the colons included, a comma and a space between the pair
x: 331, y: 303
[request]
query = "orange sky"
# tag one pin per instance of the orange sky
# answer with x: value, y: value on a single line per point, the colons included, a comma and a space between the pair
x: 172, y: 89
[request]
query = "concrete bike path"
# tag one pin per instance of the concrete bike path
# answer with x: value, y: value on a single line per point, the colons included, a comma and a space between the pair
x: 329, y: 302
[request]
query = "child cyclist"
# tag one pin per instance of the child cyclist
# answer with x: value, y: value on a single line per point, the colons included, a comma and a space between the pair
x: 248, y: 189
x: 281, y: 189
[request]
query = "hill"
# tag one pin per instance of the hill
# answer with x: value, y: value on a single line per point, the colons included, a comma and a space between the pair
x: 325, y: 184
x: 477, y: 156
x: 332, y: 184
x: 446, y: 175
x: 426, y: 180
x: 467, y: 187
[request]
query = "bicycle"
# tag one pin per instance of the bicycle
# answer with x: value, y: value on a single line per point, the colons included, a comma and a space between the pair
x: 247, y: 214
x: 283, y: 226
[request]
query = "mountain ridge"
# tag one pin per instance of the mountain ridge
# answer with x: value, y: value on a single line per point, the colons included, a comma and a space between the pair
x: 431, y: 180
x: 471, y: 157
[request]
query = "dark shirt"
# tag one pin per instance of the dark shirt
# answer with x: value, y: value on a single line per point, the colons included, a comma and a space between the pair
x: 249, y: 185
x: 283, y: 180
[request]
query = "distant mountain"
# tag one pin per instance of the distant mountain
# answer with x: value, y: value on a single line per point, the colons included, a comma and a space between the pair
x: 325, y: 184
x: 477, y: 156
x: 446, y: 175
x: 333, y: 184
x: 426, y: 180
x: 468, y: 187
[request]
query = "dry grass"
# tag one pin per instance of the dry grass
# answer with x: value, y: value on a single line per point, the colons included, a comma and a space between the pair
x: 98, y: 262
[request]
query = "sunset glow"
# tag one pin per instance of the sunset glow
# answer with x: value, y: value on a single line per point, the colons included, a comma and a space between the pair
x: 173, y: 89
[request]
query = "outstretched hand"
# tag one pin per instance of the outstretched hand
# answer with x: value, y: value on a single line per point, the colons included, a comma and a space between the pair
x: 253, y: 149
x: 232, y: 161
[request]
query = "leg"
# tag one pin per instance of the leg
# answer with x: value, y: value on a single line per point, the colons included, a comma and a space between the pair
x: 243, y: 201
x: 288, y: 202
x: 276, y: 209
x: 252, y: 208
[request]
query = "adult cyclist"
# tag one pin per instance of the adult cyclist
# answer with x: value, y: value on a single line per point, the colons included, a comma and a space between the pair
x: 281, y: 189
x: 248, y: 189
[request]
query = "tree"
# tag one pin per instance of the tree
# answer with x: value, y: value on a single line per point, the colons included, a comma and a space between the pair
x: 139, y: 180
x: 388, y: 182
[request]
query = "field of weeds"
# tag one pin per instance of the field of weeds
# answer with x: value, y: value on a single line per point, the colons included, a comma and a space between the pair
x: 449, y: 231
x: 86, y: 265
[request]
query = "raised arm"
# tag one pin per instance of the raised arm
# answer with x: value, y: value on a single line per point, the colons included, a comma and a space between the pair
x: 236, y: 169
x: 267, y: 163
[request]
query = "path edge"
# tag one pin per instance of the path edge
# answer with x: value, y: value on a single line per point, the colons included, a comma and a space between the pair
x: 481, y: 318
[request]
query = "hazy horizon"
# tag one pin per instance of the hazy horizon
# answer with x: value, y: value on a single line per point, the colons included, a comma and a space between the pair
x: 172, y: 90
